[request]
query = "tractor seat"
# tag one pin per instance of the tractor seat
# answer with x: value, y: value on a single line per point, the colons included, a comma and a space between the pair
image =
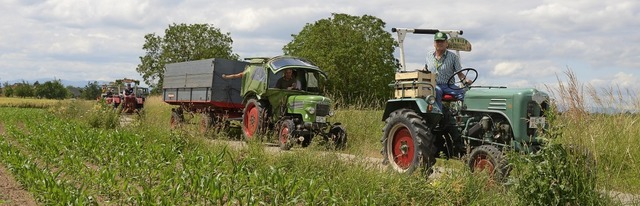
x: 449, y: 98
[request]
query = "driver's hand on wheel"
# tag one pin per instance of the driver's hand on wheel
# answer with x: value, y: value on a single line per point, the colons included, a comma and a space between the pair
x: 467, y: 82
x: 293, y: 86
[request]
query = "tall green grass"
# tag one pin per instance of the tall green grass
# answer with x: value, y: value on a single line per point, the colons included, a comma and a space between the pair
x: 611, y: 137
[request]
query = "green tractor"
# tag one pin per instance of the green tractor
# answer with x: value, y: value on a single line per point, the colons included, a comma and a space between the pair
x: 298, y: 111
x: 479, y: 127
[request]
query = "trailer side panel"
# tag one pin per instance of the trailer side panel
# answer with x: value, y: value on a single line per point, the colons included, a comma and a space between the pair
x: 201, y: 82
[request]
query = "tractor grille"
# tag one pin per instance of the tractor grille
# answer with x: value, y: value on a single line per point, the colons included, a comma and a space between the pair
x: 322, y: 109
x: 535, y: 110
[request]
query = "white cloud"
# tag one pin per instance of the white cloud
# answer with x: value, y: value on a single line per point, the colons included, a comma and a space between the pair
x: 507, y: 68
x: 521, y: 44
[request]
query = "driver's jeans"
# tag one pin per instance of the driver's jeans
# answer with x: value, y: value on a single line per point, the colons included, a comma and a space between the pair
x: 442, y: 89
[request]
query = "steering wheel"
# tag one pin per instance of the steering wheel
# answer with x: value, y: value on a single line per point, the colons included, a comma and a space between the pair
x: 465, y: 71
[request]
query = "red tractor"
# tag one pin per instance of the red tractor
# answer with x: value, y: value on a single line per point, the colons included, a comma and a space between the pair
x: 125, y: 92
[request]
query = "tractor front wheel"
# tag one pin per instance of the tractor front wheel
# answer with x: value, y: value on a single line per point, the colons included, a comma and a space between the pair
x: 284, y: 134
x: 490, y: 159
x: 407, y: 143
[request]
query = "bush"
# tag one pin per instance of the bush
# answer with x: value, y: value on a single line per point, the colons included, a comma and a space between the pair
x: 104, y: 116
x: 557, y: 174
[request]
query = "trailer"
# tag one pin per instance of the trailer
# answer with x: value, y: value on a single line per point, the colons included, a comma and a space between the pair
x: 197, y: 87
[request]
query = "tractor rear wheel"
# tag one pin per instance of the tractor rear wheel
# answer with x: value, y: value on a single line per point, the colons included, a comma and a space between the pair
x: 490, y: 159
x: 407, y: 143
x: 284, y: 135
x: 253, y: 119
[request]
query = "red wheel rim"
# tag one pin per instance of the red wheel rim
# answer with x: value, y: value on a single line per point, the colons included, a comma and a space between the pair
x: 284, y: 134
x: 481, y: 163
x: 403, y: 148
x: 251, y: 120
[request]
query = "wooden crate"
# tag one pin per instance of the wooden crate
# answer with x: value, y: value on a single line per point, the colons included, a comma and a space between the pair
x: 414, y: 84
x: 418, y: 76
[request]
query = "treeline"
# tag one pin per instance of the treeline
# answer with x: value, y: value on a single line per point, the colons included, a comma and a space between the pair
x: 356, y: 52
x: 50, y: 90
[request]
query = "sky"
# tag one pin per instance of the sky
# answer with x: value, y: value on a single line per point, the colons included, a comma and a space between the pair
x: 515, y: 43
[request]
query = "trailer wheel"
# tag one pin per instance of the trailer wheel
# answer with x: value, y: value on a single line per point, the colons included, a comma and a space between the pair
x: 253, y: 119
x: 490, y: 159
x: 206, y: 122
x: 407, y: 143
x: 176, y: 118
x: 284, y: 135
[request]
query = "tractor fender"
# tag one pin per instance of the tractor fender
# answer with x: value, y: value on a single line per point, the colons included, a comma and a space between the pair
x: 418, y: 105
x: 250, y: 95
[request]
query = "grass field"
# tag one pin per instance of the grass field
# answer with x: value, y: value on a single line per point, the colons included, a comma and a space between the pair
x: 76, y: 152
x: 28, y: 102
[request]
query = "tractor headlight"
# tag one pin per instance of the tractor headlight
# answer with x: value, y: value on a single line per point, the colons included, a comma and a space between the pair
x: 431, y: 99
x: 311, y: 110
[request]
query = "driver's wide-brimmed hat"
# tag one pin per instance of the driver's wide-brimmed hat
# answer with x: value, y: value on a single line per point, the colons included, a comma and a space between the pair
x: 440, y: 36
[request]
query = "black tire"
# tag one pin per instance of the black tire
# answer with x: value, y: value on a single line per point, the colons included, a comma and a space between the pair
x: 253, y: 119
x: 285, y: 129
x: 490, y: 158
x: 307, y: 140
x: 206, y: 122
x: 407, y: 143
x: 337, y: 137
x: 176, y: 118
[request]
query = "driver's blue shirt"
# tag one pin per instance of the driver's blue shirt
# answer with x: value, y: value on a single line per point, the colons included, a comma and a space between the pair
x: 445, y: 67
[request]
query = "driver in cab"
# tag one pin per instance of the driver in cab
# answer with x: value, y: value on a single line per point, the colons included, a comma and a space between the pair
x: 287, y: 81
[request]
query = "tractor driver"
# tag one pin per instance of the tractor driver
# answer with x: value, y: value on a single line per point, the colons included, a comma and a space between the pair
x: 287, y: 81
x: 445, y: 63
x: 128, y: 91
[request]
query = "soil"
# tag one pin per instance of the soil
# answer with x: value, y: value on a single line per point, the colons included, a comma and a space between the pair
x: 11, y: 192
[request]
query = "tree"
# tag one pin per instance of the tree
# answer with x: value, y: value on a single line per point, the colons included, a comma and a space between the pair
x: 74, y: 92
x: 51, y: 90
x: 182, y: 42
x: 8, y: 90
x: 23, y: 89
x: 355, y: 52
x: 91, y: 91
